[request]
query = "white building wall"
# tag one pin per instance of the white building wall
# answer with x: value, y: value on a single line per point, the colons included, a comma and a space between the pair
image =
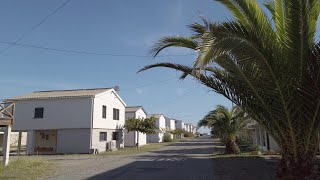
x: 102, y: 145
x: 194, y: 130
x: 30, y: 141
x: 73, y: 141
x: 58, y: 114
x: 140, y: 114
x: 161, y: 122
x: 260, y: 138
x: 110, y: 100
x: 158, y: 137
x: 179, y: 124
x: 155, y: 138
x: 142, y: 137
x: 129, y: 136
x: 172, y: 124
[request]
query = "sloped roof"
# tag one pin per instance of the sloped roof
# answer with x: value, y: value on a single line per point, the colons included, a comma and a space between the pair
x: 61, y: 94
x: 155, y: 115
x: 135, y: 109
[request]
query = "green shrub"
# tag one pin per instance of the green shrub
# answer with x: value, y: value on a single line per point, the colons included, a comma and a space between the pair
x: 254, y: 147
x: 167, y: 137
x: 242, y: 140
x: 188, y: 134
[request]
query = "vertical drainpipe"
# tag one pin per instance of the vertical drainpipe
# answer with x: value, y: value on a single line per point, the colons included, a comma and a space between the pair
x: 91, y: 124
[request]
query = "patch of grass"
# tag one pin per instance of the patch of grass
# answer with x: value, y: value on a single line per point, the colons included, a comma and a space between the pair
x: 26, y: 168
x: 241, y: 155
x: 132, y: 150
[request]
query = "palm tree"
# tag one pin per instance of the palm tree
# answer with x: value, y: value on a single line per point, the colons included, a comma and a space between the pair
x: 269, y: 67
x: 226, y: 124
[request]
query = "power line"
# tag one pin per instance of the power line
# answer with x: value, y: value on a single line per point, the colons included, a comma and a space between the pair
x: 87, y: 52
x: 37, y: 25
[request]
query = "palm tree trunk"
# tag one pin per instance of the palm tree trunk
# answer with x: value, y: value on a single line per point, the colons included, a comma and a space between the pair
x: 306, y: 167
x: 232, y: 147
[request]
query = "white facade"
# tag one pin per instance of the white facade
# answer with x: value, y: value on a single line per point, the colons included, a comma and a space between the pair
x: 179, y: 124
x: 194, y: 130
x: 131, y: 137
x: 70, y: 124
x: 58, y: 114
x: 189, y: 128
x: 170, y: 124
x: 263, y: 139
x: 161, y: 124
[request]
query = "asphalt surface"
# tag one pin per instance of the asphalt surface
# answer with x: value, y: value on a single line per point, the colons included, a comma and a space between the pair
x: 183, y: 160
x: 190, y: 160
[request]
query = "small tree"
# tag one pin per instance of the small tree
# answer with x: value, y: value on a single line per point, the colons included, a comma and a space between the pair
x: 146, y: 126
x: 149, y: 125
x: 177, y: 132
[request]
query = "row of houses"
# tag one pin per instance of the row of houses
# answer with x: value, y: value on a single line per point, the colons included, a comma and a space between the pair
x: 82, y: 121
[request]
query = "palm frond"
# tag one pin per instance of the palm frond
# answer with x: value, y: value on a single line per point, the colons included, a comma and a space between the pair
x: 173, y: 41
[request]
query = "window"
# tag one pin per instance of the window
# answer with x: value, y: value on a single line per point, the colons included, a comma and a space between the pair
x: 115, y: 136
x: 104, y: 112
x: 38, y: 112
x: 103, y: 136
x: 115, y: 114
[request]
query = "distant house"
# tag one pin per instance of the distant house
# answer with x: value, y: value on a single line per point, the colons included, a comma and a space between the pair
x: 194, y: 129
x: 179, y: 124
x: 161, y: 124
x: 262, y: 138
x: 188, y: 127
x: 170, y: 125
x: 71, y: 121
x: 139, y: 113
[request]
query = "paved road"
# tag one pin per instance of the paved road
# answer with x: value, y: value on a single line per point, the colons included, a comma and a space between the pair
x: 183, y: 160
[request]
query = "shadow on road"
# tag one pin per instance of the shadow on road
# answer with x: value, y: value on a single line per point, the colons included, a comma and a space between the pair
x: 193, y: 144
x: 249, y: 168
x: 159, y: 169
x: 207, y: 150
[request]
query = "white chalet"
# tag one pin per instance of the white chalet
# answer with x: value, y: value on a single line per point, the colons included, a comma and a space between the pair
x: 170, y: 124
x: 130, y: 137
x: 71, y: 121
x: 179, y: 124
x: 161, y: 124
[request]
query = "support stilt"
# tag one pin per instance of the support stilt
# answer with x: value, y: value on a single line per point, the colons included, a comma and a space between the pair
x: 6, y: 145
x: 19, y: 143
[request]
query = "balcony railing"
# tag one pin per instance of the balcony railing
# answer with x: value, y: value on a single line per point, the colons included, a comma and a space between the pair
x: 6, y: 113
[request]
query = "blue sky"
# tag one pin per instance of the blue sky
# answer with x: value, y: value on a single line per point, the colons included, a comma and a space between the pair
x: 114, y: 27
